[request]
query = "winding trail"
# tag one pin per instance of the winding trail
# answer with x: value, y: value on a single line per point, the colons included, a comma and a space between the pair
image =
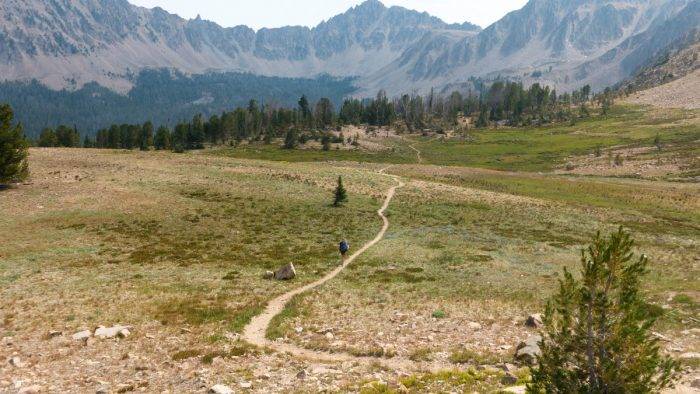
x: 418, y: 154
x: 255, y: 331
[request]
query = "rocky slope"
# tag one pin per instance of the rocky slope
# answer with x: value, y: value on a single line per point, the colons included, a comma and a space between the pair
x: 565, y: 43
x: 71, y: 42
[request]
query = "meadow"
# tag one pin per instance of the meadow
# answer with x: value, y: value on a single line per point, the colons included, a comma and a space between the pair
x: 176, y: 245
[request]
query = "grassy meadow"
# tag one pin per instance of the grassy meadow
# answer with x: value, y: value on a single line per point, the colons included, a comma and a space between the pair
x: 175, y: 245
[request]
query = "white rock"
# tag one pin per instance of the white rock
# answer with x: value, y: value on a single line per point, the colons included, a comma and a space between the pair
x: 35, y: 389
x: 474, y: 326
x: 246, y: 385
x: 16, y: 362
x: 220, y: 389
x: 82, y: 335
x: 516, y: 390
x: 299, y: 330
x: 111, y: 332
x: 529, y: 350
x: 329, y: 335
x: 689, y: 356
x: 286, y: 272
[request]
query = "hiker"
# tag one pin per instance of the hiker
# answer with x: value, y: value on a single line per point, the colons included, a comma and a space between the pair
x: 344, y: 247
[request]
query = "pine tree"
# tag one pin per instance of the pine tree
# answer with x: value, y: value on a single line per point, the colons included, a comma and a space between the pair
x: 162, y: 139
x: 290, y: 139
x: 48, y: 139
x: 597, y: 335
x: 13, y: 149
x: 340, y: 196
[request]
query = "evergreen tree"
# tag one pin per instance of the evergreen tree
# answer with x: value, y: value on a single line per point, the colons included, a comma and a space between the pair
x: 340, y: 195
x: 146, y: 136
x: 88, y: 142
x: 13, y: 149
x: 48, y: 139
x: 597, y: 335
x: 290, y: 139
x: 326, y: 142
x: 162, y: 138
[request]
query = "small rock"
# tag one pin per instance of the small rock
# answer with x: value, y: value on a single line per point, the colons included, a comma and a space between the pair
x: 54, y: 334
x: 330, y: 336
x: 246, y: 385
x: 689, y: 356
x: 302, y: 374
x: 16, y: 362
x: 268, y: 275
x: 474, y: 326
x: 220, y: 389
x: 508, y: 367
x: 35, y: 389
x: 111, y: 332
x: 509, y: 379
x: 299, y: 330
x: 124, y: 333
x: 528, y: 351
x: 534, y: 320
x: 82, y: 335
x: 287, y: 272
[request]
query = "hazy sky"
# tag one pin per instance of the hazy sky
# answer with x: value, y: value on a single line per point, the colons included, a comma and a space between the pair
x: 275, y: 13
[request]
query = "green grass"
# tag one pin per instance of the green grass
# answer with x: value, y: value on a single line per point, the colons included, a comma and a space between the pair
x: 396, y: 153
x: 544, y: 148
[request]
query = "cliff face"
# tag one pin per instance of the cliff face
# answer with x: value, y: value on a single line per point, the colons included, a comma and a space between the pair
x: 566, y: 43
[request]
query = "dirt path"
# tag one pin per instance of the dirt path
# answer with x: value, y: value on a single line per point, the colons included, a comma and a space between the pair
x: 255, y: 331
x: 418, y: 154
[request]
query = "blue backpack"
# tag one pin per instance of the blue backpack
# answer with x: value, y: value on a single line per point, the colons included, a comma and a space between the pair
x: 344, y: 247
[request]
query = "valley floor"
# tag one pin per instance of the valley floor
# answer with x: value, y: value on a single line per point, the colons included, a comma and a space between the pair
x: 174, y: 246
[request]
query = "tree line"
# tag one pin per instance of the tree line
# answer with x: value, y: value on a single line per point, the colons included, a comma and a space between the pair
x: 503, y: 103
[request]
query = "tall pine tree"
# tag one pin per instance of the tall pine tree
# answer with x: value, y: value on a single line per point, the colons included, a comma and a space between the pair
x: 13, y: 149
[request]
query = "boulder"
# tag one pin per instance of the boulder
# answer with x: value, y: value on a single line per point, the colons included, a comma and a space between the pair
x: 112, y: 332
x: 528, y: 351
x: 220, y: 389
x: 286, y: 272
x: 82, y: 335
x: 534, y: 320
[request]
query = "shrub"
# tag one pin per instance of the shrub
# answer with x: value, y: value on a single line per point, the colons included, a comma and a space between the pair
x: 13, y: 149
x: 619, y: 160
x: 597, y: 334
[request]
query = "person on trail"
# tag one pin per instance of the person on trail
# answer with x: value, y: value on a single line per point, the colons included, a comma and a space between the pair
x: 344, y: 247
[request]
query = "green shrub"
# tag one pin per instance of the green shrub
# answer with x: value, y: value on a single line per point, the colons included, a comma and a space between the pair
x: 597, y: 330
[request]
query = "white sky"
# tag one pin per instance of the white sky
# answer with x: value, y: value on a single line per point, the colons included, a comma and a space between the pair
x: 276, y: 13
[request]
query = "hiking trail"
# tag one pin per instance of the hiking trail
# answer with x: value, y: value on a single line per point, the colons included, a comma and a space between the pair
x: 255, y: 331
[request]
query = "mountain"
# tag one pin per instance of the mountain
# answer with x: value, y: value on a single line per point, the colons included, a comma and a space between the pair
x: 562, y: 43
x: 65, y: 43
x: 73, y: 44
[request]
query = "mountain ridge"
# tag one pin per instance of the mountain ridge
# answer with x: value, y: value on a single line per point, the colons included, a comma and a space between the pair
x: 561, y: 43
